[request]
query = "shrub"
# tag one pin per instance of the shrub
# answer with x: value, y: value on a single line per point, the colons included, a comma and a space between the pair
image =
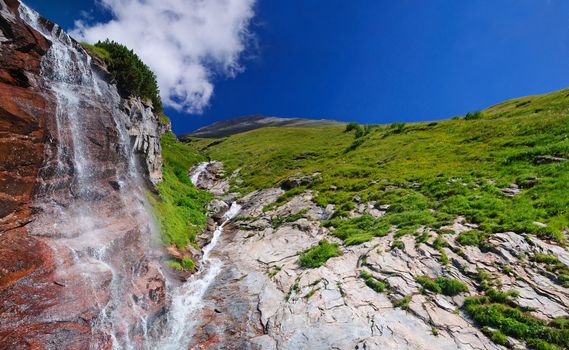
x: 352, y: 126
x: 359, y: 230
x: 133, y: 77
x: 429, y: 284
x: 473, y: 115
x: 496, y: 336
x: 397, y: 127
x: 512, y: 321
x: 317, y: 255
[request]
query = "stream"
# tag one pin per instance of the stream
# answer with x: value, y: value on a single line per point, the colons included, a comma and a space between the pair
x: 187, y: 300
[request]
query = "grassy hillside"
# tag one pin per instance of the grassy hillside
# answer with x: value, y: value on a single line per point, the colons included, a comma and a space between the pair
x: 429, y: 173
x: 180, y: 207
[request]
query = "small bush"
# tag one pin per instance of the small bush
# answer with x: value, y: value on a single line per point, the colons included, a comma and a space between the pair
x: 496, y: 336
x: 473, y: 115
x: 352, y: 126
x: 319, y: 254
x: 512, y: 321
x: 133, y: 77
x: 397, y: 127
x: 429, y: 284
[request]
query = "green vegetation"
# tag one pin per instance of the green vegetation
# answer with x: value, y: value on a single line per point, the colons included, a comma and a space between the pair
x: 277, y: 221
x: 402, y: 303
x: 429, y: 173
x: 442, y: 285
x: 317, y: 255
x: 473, y: 115
x: 180, y: 208
x: 507, y: 318
x: 555, y: 266
x: 358, y: 230
x: 373, y: 282
x: 133, y: 77
x: 397, y: 244
x: 472, y: 238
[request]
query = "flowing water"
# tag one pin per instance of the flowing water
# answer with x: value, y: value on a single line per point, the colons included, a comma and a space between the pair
x: 187, y: 300
x: 90, y: 223
x: 89, y: 227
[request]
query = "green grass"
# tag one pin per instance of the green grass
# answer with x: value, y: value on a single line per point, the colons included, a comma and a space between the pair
x: 180, y: 208
x: 317, y: 255
x: 442, y: 285
x: 429, y: 172
x: 555, y: 266
x: 472, y: 238
x: 98, y: 52
x: 509, y: 319
x: 402, y: 303
x: 372, y: 282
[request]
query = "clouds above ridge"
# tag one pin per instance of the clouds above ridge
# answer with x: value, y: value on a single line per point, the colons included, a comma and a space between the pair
x: 185, y: 42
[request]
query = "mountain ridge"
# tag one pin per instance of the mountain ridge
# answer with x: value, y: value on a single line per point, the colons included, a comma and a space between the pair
x: 251, y: 122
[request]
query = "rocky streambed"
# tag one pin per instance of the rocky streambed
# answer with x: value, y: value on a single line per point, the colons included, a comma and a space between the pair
x: 263, y: 299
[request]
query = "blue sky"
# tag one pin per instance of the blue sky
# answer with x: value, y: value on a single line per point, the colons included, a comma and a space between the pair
x: 375, y: 61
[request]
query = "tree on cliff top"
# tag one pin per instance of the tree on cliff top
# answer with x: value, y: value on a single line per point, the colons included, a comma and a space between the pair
x: 134, y: 78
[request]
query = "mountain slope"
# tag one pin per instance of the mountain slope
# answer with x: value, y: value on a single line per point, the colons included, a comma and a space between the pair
x: 243, y: 124
x: 461, y: 223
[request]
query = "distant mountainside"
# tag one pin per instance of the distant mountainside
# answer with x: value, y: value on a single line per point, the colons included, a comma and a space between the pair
x: 242, y: 124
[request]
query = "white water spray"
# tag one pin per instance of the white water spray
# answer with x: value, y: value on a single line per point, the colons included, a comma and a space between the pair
x: 89, y: 228
x: 187, y: 300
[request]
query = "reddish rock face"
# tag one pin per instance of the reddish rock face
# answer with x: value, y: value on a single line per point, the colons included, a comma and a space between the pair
x: 76, y: 270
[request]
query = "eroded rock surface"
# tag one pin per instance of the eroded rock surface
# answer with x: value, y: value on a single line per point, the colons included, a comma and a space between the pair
x: 265, y: 300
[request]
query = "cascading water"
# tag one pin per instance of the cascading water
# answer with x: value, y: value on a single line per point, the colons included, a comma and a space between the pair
x: 187, y: 300
x: 198, y: 171
x: 91, y: 212
x: 91, y: 225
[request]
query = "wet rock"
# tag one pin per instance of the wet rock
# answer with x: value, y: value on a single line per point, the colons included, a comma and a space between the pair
x: 216, y: 208
x: 61, y: 264
x: 145, y: 130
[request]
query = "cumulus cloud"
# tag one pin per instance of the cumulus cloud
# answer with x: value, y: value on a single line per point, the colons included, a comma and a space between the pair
x: 185, y: 42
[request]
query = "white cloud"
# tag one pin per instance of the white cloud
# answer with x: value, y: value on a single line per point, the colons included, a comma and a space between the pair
x: 185, y: 42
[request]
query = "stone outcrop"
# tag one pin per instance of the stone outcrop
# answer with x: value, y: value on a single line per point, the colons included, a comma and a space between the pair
x: 146, y: 136
x: 263, y: 299
x: 74, y: 233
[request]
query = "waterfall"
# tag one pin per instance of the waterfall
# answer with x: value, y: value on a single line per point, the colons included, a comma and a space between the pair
x: 92, y: 211
x: 187, y: 300
x: 86, y: 221
x: 198, y: 171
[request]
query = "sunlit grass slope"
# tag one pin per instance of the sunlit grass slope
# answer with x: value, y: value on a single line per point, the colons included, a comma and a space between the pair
x: 429, y: 173
x: 180, y: 207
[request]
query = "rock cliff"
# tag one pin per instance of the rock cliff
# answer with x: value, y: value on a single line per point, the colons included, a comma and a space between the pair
x: 74, y: 230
